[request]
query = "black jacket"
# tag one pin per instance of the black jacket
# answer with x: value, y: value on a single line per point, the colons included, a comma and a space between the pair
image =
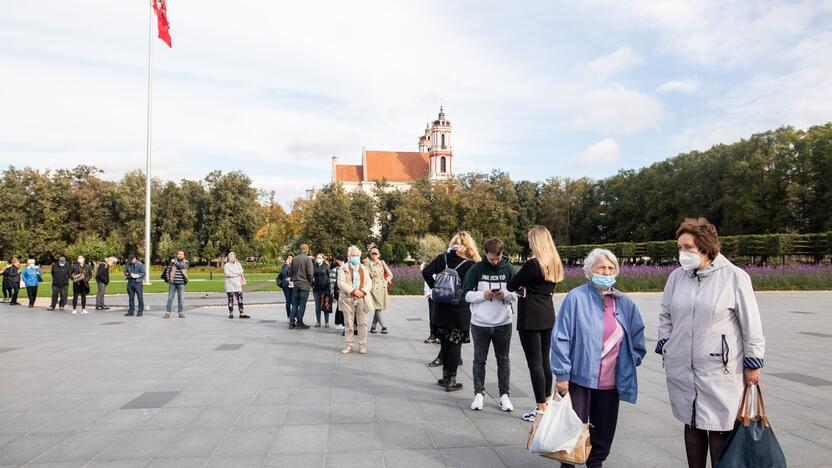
x: 284, y: 276
x: 448, y: 315
x: 87, y: 270
x: 320, y: 278
x: 535, y: 311
x: 102, y: 274
x: 11, y: 277
x: 60, y: 274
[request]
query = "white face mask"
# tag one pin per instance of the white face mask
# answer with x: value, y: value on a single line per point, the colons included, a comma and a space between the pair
x: 689, y: 261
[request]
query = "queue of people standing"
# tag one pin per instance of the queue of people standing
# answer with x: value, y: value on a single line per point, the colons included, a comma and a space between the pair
x: 591, y: 348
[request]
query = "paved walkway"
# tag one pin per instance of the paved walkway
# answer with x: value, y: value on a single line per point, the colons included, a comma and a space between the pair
x: 107, y: 390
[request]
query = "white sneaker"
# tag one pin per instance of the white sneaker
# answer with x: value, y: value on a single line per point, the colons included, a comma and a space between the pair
x: 84, y: 312
x: 339, y: 327
x: 74, y: 312
x: 362, y: 349
x: 505, y: 403
x: 346, y: 350
x: 530, y: 416
x: 477, y: 404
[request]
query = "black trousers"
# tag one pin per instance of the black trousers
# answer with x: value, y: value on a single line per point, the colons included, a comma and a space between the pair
x: 536, y: 346
x: 13, y: 292
x: 32, y: 294
x: 79, y: 289
x: 59, y: 291
x: 451, y: 354
x: 431, y: 316
x: 600, y: 408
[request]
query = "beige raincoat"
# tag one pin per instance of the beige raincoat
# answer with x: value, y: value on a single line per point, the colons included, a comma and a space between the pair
x: 711, y: 322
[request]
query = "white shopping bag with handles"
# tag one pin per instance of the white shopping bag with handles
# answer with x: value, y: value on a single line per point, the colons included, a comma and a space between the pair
x: 559, y: 429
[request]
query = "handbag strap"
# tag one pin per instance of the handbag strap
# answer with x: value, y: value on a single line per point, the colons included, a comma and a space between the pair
x: 745, y: 407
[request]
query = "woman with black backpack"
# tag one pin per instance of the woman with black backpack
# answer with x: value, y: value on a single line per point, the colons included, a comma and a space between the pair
x: 444, y: 275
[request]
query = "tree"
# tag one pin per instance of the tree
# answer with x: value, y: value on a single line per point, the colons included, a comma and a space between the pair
x: 166, y: 248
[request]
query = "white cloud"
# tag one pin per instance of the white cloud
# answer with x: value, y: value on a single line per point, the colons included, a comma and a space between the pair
x: 604, y: 152
x: 616, y: 110
x: 602, y: 68
x: 687, y: 85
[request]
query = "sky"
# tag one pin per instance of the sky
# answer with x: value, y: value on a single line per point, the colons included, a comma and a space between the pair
x: 538, y: 89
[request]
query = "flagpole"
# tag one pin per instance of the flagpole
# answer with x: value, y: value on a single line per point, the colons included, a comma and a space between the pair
x: 147, y: 246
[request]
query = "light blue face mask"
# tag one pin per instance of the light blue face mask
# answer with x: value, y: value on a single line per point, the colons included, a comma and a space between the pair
x: 602, y: 281
x: 355, y: 260
x: 319, y: 261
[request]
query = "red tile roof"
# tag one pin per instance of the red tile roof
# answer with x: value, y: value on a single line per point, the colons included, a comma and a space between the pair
x: 395, y: 166
x: 348, y: 173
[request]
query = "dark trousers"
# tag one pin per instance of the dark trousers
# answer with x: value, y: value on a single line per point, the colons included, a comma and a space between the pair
x: 317, y: 296
x: 13, y: 292
x: 288, y: 295
x: 431, y: 315
x: 451, y: 354
x: 299, y: 298
x: 59, y: 292
x: 99, y: 295
x: 32, y: 294
x: 339, y: 314
x: 7, y: 291
x: 536, y: 346
x: 135, y: 290
x: 238, y: 295
x: 79, y: 289
x: 482, y: 337
x: 600, y: 408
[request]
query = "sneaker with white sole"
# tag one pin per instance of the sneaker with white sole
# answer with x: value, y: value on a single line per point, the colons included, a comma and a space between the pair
x: 339, y: 327
x: 477, y: 404
x: 84, y: 312
x: 505, y: 403
x: 74, y: 312
x: 346, y: 350
x: 531, y: 415
x: 362, y: 349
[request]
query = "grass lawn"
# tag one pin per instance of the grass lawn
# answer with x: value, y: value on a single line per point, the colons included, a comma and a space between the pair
x: 200, y: 282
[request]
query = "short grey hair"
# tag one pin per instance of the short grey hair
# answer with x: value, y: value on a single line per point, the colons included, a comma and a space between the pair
x: 353, y: 248
x: 592, y: 259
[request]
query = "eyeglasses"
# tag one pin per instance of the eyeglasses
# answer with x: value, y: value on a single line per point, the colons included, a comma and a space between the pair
x: 374, y: 254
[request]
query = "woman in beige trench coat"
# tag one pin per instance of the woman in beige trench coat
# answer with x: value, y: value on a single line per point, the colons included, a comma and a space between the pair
x: 382, y: 277
x: 710, y: 338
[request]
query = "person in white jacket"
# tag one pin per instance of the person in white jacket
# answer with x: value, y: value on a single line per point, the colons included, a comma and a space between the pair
x: 234, y: 282
x: 710, y: 338
x: 491, y: 319
x: 354, y: 285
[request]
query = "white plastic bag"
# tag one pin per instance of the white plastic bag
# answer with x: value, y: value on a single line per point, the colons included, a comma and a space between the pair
x: 559, y: 429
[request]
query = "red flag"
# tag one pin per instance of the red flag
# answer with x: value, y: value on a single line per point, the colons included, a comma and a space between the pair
x: 164, y: 26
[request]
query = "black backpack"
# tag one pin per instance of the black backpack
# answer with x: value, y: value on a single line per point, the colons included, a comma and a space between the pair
x: 447, y: 287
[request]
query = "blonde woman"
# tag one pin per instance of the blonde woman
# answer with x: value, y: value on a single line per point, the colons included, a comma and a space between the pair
x: 453, y: 321
x: 382, y: 277
x: 536, y: 282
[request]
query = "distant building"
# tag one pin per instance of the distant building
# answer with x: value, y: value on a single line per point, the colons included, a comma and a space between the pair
x: 402, y: 168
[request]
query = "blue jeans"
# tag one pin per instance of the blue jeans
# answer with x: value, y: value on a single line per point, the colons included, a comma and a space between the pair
x: 135, y: 289
x: 288, y: 293
x: 179, y: 290
x: 317, y: 296
x: 299, y: 298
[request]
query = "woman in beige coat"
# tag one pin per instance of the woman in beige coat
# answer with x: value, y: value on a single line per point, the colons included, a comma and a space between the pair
x: 710, y: 338
x: 354, y: 286
x: 382, y: 277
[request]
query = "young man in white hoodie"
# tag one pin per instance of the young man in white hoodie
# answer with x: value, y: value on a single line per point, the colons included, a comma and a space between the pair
x: 491, y: 319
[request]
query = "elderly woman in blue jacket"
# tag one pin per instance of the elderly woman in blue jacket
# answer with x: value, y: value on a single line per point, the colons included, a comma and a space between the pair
x: 597, y: 344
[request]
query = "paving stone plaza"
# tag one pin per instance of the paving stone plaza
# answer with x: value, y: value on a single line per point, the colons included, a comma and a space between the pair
x: 109, y: 390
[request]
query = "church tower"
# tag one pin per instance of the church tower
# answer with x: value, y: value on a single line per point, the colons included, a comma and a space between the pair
x: 440, y: 149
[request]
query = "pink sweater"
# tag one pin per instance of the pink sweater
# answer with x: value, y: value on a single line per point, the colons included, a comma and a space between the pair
x: 613, y: 335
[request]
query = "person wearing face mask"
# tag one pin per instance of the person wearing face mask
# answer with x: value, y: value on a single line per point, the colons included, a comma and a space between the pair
x: 60, y: 283
x: 710, y: 338
x: 597, y: 344
x: 102, y: 279
x: 11, y: 281
x: 320, y: 290
x: 382, y: 277
x: 234, y: 282
x: 284, y: 281
x: 32, y: 276
x: 81, y: 274
x: 355, y: 284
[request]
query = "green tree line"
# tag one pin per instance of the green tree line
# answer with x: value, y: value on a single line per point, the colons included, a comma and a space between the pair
x: 772, y: 182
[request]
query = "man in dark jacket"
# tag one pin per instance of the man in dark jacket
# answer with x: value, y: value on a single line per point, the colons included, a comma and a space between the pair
x: 102, y: 278
x: 134, y: 272
x: 303, y: 271
x: 60, y: 282
x: 11, y: 280
x: 176, y: 274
